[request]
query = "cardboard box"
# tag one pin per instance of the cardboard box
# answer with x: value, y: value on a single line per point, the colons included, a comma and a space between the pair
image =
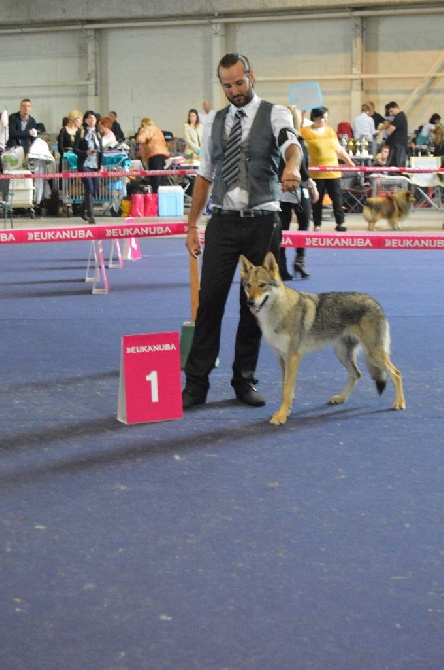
x: 171, y: 201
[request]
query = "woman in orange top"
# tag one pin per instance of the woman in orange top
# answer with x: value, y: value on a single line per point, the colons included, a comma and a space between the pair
x: 153, y: 149
x: 324, y: 149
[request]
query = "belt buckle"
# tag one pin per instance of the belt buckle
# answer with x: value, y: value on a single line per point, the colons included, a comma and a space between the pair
x: 246, y: 213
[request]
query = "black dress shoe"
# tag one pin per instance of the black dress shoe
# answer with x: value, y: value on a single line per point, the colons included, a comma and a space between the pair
x: 250, y: 396
x: 340, y: 228
x: 191, y: 399
x: 286, y: 276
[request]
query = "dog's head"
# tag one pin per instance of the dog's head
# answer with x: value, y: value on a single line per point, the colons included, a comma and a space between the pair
x: 405, y: 195
x: 260, y: 282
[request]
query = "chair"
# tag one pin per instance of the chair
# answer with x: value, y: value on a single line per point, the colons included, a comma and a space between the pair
x: 344, y: 128
x: 427, y: 184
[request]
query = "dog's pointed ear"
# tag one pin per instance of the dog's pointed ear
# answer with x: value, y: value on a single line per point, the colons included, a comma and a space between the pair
x: 271, y: 265
x: 245, y: 266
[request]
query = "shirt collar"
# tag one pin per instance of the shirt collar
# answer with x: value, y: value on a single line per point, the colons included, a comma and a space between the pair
x: 248, y: 109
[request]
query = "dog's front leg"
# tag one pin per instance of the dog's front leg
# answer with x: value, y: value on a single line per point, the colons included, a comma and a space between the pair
x: 290, y: 373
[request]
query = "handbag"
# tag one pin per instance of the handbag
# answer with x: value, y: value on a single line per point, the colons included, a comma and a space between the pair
x: 150, y: 204
x: 137, y: 204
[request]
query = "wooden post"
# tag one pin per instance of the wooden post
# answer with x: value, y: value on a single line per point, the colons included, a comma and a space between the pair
x: 187, y: 333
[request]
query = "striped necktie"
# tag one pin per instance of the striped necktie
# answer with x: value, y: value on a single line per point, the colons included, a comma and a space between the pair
x: 230, y: 167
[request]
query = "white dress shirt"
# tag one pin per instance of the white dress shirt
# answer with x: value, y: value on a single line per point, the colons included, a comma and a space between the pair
x: 364, y: 125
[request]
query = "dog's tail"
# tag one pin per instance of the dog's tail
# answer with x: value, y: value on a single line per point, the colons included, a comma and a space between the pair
x: 379, y: 376
x: 377, y: 353
x: 367, y: 213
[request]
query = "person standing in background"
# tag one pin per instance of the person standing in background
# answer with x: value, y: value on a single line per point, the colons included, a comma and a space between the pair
x: 324, y: 149
x: 68, y: 132
x: 299, y: 202
x: 153, y: 149
x: 109, y: 140
x: 378, y: 119
x: 208, y: 113
x: 89, y: 151
x: 193, y: 132
x: 363, y: 125
x: 397, y: 136
x: 115, y: 127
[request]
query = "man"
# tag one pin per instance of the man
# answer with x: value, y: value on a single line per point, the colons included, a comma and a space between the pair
x: 208, y: 114
x: 363, y: 125
x: 376, y: 116
x: 397, y: 136
x: 116, y: 129
x: 245, y: 220
x: 22, y: 127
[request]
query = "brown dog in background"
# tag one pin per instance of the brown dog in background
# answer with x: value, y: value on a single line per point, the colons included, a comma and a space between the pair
x: 393, y: 208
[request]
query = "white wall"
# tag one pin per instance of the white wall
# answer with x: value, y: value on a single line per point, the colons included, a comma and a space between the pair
x: 161, y: 71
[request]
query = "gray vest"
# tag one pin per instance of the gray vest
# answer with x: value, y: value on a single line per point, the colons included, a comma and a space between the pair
x: 259, y: 161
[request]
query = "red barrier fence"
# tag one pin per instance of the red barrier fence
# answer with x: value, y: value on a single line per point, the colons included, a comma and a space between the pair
x: 129, y: 229
x: 374, y: 169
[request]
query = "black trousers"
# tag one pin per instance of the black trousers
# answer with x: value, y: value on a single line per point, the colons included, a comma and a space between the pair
x: 227, y: 237
x: 333, y: 188
x: 397, y: 156
x: 302, y: 211
x: 156, y: 163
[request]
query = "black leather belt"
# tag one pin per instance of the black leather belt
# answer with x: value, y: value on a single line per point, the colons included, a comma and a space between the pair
x: 243, y: 213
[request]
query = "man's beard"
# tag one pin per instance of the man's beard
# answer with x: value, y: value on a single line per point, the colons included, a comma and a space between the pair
x: 242, y: 100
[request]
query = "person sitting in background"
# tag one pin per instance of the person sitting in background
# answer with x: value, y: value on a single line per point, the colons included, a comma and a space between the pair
x: 381, y: 158
x: 67, y: 134
x: 153, y: 149
x: 115, y: 127
x: 193, y: 131
x: 426, y: 135
x: 109, y: 140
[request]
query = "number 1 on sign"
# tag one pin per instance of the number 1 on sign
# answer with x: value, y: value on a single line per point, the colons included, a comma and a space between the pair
x: 153, y: 378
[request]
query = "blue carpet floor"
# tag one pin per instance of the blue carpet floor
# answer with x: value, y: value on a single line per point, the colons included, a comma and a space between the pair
x: 215, y: 542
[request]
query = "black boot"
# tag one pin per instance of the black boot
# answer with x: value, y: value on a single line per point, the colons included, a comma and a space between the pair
x: 82, y: 209
x: 299, y: 264
x: 89, y: 207
x: 285, y: 275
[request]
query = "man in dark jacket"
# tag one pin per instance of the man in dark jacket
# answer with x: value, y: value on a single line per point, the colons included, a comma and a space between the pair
x: 117, y: 130
x: 22, y: 127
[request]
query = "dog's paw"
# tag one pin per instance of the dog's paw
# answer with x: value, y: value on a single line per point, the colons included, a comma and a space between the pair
x: 336, y: 400
x: 279, y: 418
x: 399, y: 405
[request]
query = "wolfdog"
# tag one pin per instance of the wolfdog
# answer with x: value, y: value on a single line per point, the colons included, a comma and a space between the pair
x: 295, y: 323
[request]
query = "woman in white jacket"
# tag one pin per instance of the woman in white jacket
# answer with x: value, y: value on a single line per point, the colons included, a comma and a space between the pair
x: 193, y: 131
